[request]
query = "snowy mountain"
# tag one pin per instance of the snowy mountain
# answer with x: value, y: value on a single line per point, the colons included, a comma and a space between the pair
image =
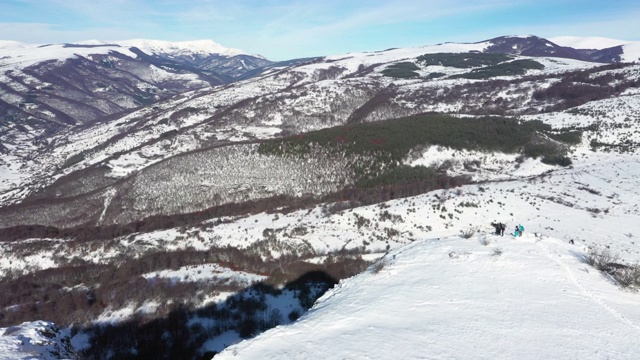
x: 83, y: 168
x: 54, y: 87
x: 602, y: 49
x: 183, y: 219
x: 533, y: 46
x: 17, y: 55
x: 596, y: 43
x: 182, y: 48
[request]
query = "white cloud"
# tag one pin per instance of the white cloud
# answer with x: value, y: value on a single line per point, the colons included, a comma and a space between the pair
x: 37, y: 33
x: 619, y: 26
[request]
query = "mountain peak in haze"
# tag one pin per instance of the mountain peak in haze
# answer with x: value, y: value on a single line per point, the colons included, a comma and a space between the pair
x: 205, y: 46
x: 531, y: 45
x: 596, y: 43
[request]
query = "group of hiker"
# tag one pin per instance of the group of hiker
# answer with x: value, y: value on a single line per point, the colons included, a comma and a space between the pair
x: 500, y: 229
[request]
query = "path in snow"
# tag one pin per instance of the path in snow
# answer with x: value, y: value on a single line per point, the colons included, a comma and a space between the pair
x: 572, y: 277
x: 454, y: 298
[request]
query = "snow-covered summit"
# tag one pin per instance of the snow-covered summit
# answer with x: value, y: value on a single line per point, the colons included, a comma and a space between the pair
x: 487, y: 297
x: 17, y: 55
x: 630, y: 50
x: 20, y: 55
x: 521, y: 36
x: 594, y: 42
x: 397, y: 54
x: 181, y: 47
x: 8, y: 44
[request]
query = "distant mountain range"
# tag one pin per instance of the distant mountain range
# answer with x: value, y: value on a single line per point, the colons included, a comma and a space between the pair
x: 72, y: 113
x: 536, y: 46
x: 57, y: 85
x: 84, y: 82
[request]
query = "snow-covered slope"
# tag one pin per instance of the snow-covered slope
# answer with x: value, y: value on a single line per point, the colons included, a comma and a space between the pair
x: 305, y: 97
x: 16, y: 55
x: 442, y: 296
x: 39, y: 340
x: 593, y: 42
x: 454, y: 298
x: 180, y: 47
x: 377, y: 57
x: 630, y: 50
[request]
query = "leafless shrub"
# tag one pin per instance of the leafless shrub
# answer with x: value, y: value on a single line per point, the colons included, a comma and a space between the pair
x: 387, y: 216
x: 391, y: 232
x: 628, y: 276
x: 484, y: 241
x: 601, y: 258
x: 496, y: 252
x: 587, y: 189
x: 468, y: 234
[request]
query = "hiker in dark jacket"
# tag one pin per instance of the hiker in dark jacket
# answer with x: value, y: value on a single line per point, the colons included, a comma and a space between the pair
x: 497, y: 227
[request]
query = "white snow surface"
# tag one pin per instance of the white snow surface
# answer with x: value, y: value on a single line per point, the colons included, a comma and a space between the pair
x: 19, y: 56
x: 593, y: 42
x: 438, y: 295
x: 631, y: 52
x: 204, y: 272
x: 180, y: 47
x: 370, y: 58
x: 34, y: 340
x: 631, y: 49
x: 454, y: 298
x: 16, y: 55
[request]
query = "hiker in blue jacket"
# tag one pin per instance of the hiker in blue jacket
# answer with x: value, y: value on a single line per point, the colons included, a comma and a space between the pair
x: 518, y: 231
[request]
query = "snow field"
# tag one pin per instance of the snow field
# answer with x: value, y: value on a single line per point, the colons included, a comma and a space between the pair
x: 34, y: 340
x: 455, y: 298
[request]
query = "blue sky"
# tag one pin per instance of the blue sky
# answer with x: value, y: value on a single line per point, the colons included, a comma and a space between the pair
x: 286, y: 29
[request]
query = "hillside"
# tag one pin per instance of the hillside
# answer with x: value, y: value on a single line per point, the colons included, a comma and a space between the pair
x: 593, y: 203
x: 526, y: 298
x: 111, y: 158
